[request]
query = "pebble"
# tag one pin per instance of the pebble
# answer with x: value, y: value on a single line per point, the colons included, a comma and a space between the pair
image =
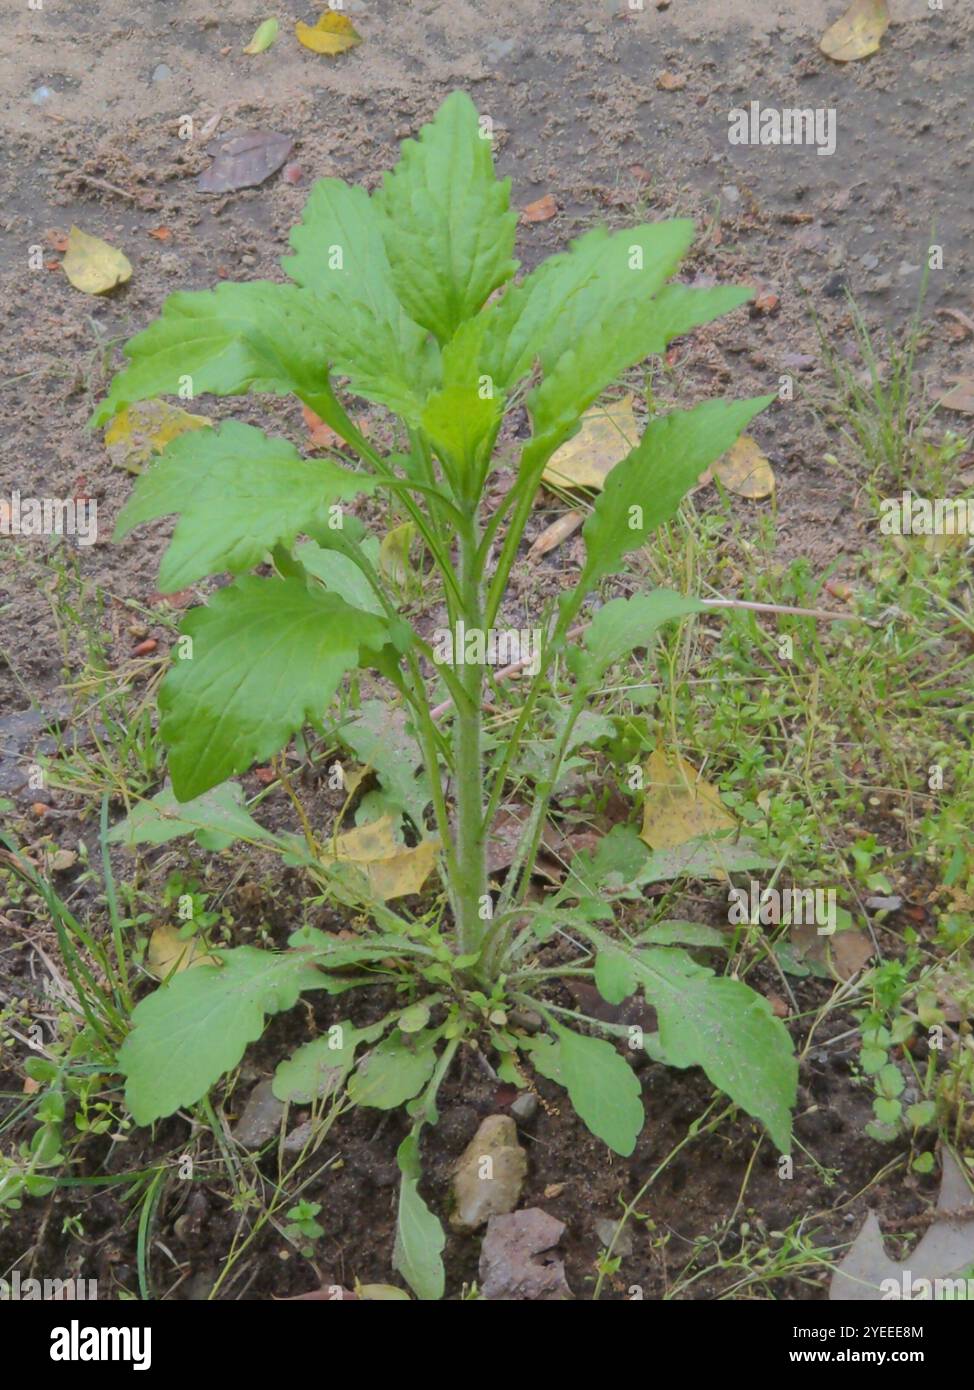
x: 605, y: 1229
x: 489, y: 1175
x: 496, y: 49
x: 730, y: 193
x: 525, y: 1107
x: 41, y: 94
x: 261, y: 1117
x: 161, y: 72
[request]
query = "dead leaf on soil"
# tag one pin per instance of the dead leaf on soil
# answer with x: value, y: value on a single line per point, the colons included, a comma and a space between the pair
x: 679, y: 805
x: 608, y: 433
x: 243, y: 159
x: 945, y: 1249
x: 960, y: 398
x: 857, y: 33
x: 393, y: 870
x: 744, y: 470
x: 844, y: 953
x: 322, y: 436
x: 169, y: 955
x: 554, y: 534
x: 144, y: 429
x: 541, y: 210
x: 161, y: 233
x: 92, y: 265
x: 333, y: 33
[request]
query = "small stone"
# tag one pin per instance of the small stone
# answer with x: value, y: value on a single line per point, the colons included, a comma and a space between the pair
x: 161, y: 72
x: 40, y: 95
x: 869, y: 262
x: 261, y: 1117
x: 489, y: 1175
x: 730, y: 194
x: 299, y: 1136
x: 293, y: 173
x: 605, y: 1229
x: 525, y: 1107
x: 517, y: 1261
x: 496, y: 49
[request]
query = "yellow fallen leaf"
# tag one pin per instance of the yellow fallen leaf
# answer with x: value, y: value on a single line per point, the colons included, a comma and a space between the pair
x: 745, y: 470
x: 393, y: 870
x: 144, y: 429
x: 92, y: 265
x: 333, y: 34
x: 857, y: 33
x: 678, y: 805
x: 608, y: 433
x: 168, y: 954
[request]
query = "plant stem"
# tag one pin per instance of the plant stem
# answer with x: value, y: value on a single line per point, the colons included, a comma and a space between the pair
x: 471, y: 850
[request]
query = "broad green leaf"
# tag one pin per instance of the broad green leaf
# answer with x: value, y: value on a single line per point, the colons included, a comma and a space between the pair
x: 319, y: 1068
x: 602, y: 1086
x: 711, y: 856
x: 338, y: 571
x: 448, y: 229
x: 394, y: 1072
x: 267, y: 656
x: 417, y: 1254
x: 341, y: 256
x: 226, y: 342
x: 238, y: 494
x: 682, y: 934
x: 217, y: 819
x: 378, y: 738
x: 576, y: 293
x: 191, y: 1031
x: 461, y: 425
x: 620, y: 335
x: 333, y: 952
x: 645, y: 488
x: 623, y: 624
x: 724, y: 1026
x: 614, y: 976
x: 615, y: 862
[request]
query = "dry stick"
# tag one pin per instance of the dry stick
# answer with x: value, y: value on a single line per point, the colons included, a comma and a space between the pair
x: 576, y: 632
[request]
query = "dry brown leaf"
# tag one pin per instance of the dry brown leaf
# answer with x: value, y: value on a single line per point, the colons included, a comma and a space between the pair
x: 857, y: 33
x: 333, y: 33
x: 542, y: 210
x: 744, y: 470
x: 161, y: 233
x: 144, y: 429
x: 554, y: 534
x: 961, y: 397
x: 393, y: 870
x: 92, y: 265
x: 678, y: 805
x: 168, y: 954
x: 608, y: 433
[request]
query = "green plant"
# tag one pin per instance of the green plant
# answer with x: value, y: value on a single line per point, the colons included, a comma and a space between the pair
x: 396, y: 294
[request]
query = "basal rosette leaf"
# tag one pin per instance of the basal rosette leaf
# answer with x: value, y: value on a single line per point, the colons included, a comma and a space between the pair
x: 238, y: 493
x: 448, y: 229
x: 266, y: 656
x: 192, y: 1030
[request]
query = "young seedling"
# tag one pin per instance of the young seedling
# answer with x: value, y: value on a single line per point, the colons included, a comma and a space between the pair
x: 407, y: 299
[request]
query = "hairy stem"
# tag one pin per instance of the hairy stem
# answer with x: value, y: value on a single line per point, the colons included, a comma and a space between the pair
x: 471, y: 843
